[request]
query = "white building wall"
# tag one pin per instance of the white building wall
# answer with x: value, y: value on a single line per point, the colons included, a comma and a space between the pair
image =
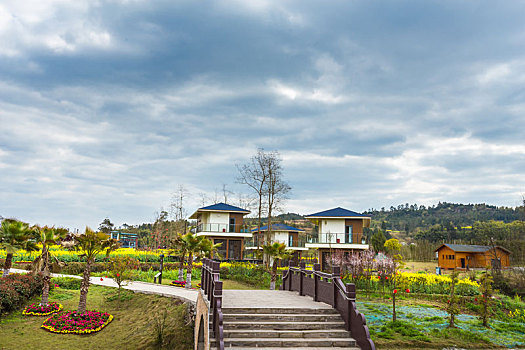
x: 280, y: 236
x: 205, y: 218
x: 331, y: 226
x: 222, y: 219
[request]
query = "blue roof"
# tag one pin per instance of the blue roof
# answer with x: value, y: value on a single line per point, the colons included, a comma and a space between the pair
x: 337, y: 212
x: 278, y: 227
x: 224, y: 207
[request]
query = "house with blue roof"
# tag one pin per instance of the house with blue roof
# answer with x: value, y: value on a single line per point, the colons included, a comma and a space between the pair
x: 292, y: 237
x: 223, y: 223
x: 337, y: 229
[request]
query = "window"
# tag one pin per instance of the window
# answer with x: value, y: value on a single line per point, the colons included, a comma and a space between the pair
x: 348, y: 234
x: 222, y: 249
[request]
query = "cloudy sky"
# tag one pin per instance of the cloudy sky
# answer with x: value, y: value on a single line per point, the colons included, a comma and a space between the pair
x: 107, y: 106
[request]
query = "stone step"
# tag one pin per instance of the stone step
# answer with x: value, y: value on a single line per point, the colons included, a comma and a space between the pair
x: 270, y: 333
x: 272, y: 310
x: 280, y: 317
x: 284, y: 325
x: 286, y: 342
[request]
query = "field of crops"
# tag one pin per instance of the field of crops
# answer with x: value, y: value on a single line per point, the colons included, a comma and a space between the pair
x: 71, y: 256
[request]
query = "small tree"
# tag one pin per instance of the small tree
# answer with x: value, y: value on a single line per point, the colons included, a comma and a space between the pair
x: 453, y: 309
x: 378, y: 241
x: 122, y: 269
x: 46, y: 236
x: 88, y: 245
x: 106, y: 226
x: 193, y: 248
x: 392, y: 246
x: 486, y: 291
x: 276, y: 251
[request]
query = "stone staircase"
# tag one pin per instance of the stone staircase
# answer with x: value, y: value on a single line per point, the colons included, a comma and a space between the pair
x: 275, y: 328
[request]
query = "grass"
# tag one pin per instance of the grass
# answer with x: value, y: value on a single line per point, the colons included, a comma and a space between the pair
x: 421, y: 326
x: 132, y: 327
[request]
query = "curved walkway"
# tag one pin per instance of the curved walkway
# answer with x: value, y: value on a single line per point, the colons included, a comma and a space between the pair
x: 184, y: 294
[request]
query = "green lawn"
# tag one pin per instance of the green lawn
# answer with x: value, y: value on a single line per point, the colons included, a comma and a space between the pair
x: 133, y: 327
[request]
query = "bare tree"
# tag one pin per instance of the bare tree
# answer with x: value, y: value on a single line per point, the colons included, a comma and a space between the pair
x: 276, y: 189
x: 225, y: 193
x: 264, y: 175
x: 253, y: 175
x: 178, y: 210
x: 177, y: 203
x: 203, y: 198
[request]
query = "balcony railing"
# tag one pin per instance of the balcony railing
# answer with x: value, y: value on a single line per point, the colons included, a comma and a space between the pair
x: 238, y: 228
x: 335, y: 238
x: 252, y: 242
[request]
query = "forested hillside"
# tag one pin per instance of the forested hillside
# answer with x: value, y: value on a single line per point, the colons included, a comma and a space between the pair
x: 412, y: 218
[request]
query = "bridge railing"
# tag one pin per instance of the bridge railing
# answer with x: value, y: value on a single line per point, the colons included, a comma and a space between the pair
x: 212, y: 287
x: 330, y: 289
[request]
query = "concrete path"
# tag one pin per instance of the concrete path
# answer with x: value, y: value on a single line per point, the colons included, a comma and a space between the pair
x: 139, y: 287
x: 269, y: 299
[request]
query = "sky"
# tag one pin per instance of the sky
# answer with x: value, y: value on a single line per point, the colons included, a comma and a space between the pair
x: 107, y: 107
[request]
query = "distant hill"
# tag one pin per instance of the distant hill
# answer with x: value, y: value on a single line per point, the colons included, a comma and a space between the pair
x: 410, y: 218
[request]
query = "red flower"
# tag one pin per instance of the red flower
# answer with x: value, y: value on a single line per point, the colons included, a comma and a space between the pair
x: 408, y: 290
x: 379, y: 277
x: 475, y: 299
x: 386, y: 277
x: 101, y: 279
x: 395, y: 291
x: 118, y: 274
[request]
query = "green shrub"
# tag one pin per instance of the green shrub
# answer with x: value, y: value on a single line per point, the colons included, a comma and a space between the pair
x: 15, y: 289
x: 67, y: 282
x: 254, y: 275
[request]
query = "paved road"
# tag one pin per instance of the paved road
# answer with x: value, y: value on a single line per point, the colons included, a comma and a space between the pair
x: 140, y: 287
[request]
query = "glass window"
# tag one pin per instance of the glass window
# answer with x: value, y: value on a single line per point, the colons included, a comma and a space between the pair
x: 222, y: 249
x: 234, y: 249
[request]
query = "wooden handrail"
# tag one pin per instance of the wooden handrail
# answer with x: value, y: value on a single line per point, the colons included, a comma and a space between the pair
x: 212, y: 288
x: 330, y: 289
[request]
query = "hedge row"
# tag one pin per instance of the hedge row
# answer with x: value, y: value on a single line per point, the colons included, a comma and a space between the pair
x: 16, y: 289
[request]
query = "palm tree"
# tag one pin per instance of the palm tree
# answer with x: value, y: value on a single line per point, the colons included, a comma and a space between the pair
x: 193, y: 245
x: 14, y: 235
x: 46, y: 236
x: 89, y: 245
x: 179, y: 248
x: 208, y: 249
x: 276, y: 251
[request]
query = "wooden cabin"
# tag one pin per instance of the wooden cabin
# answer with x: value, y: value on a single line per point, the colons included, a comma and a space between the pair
x: 464, y: 256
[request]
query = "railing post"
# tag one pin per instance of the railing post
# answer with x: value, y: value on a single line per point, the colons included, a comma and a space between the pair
x: 290, y: 275
x: 317, y: 268
x: 336, y: 275
x: 203, y: 275
x: 302, y: 266
x: 350, y: 293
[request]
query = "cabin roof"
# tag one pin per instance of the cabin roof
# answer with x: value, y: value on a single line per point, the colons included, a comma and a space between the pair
x: 221, y: 207
x: 468, y: 248
x: 337, y: 213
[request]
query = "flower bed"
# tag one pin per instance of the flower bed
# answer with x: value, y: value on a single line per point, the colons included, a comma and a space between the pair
x: 40, y: 310
x: 182, y: 284
x: 71, y: 322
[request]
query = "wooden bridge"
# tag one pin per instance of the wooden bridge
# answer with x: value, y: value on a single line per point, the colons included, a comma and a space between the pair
x: 314, y: 310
